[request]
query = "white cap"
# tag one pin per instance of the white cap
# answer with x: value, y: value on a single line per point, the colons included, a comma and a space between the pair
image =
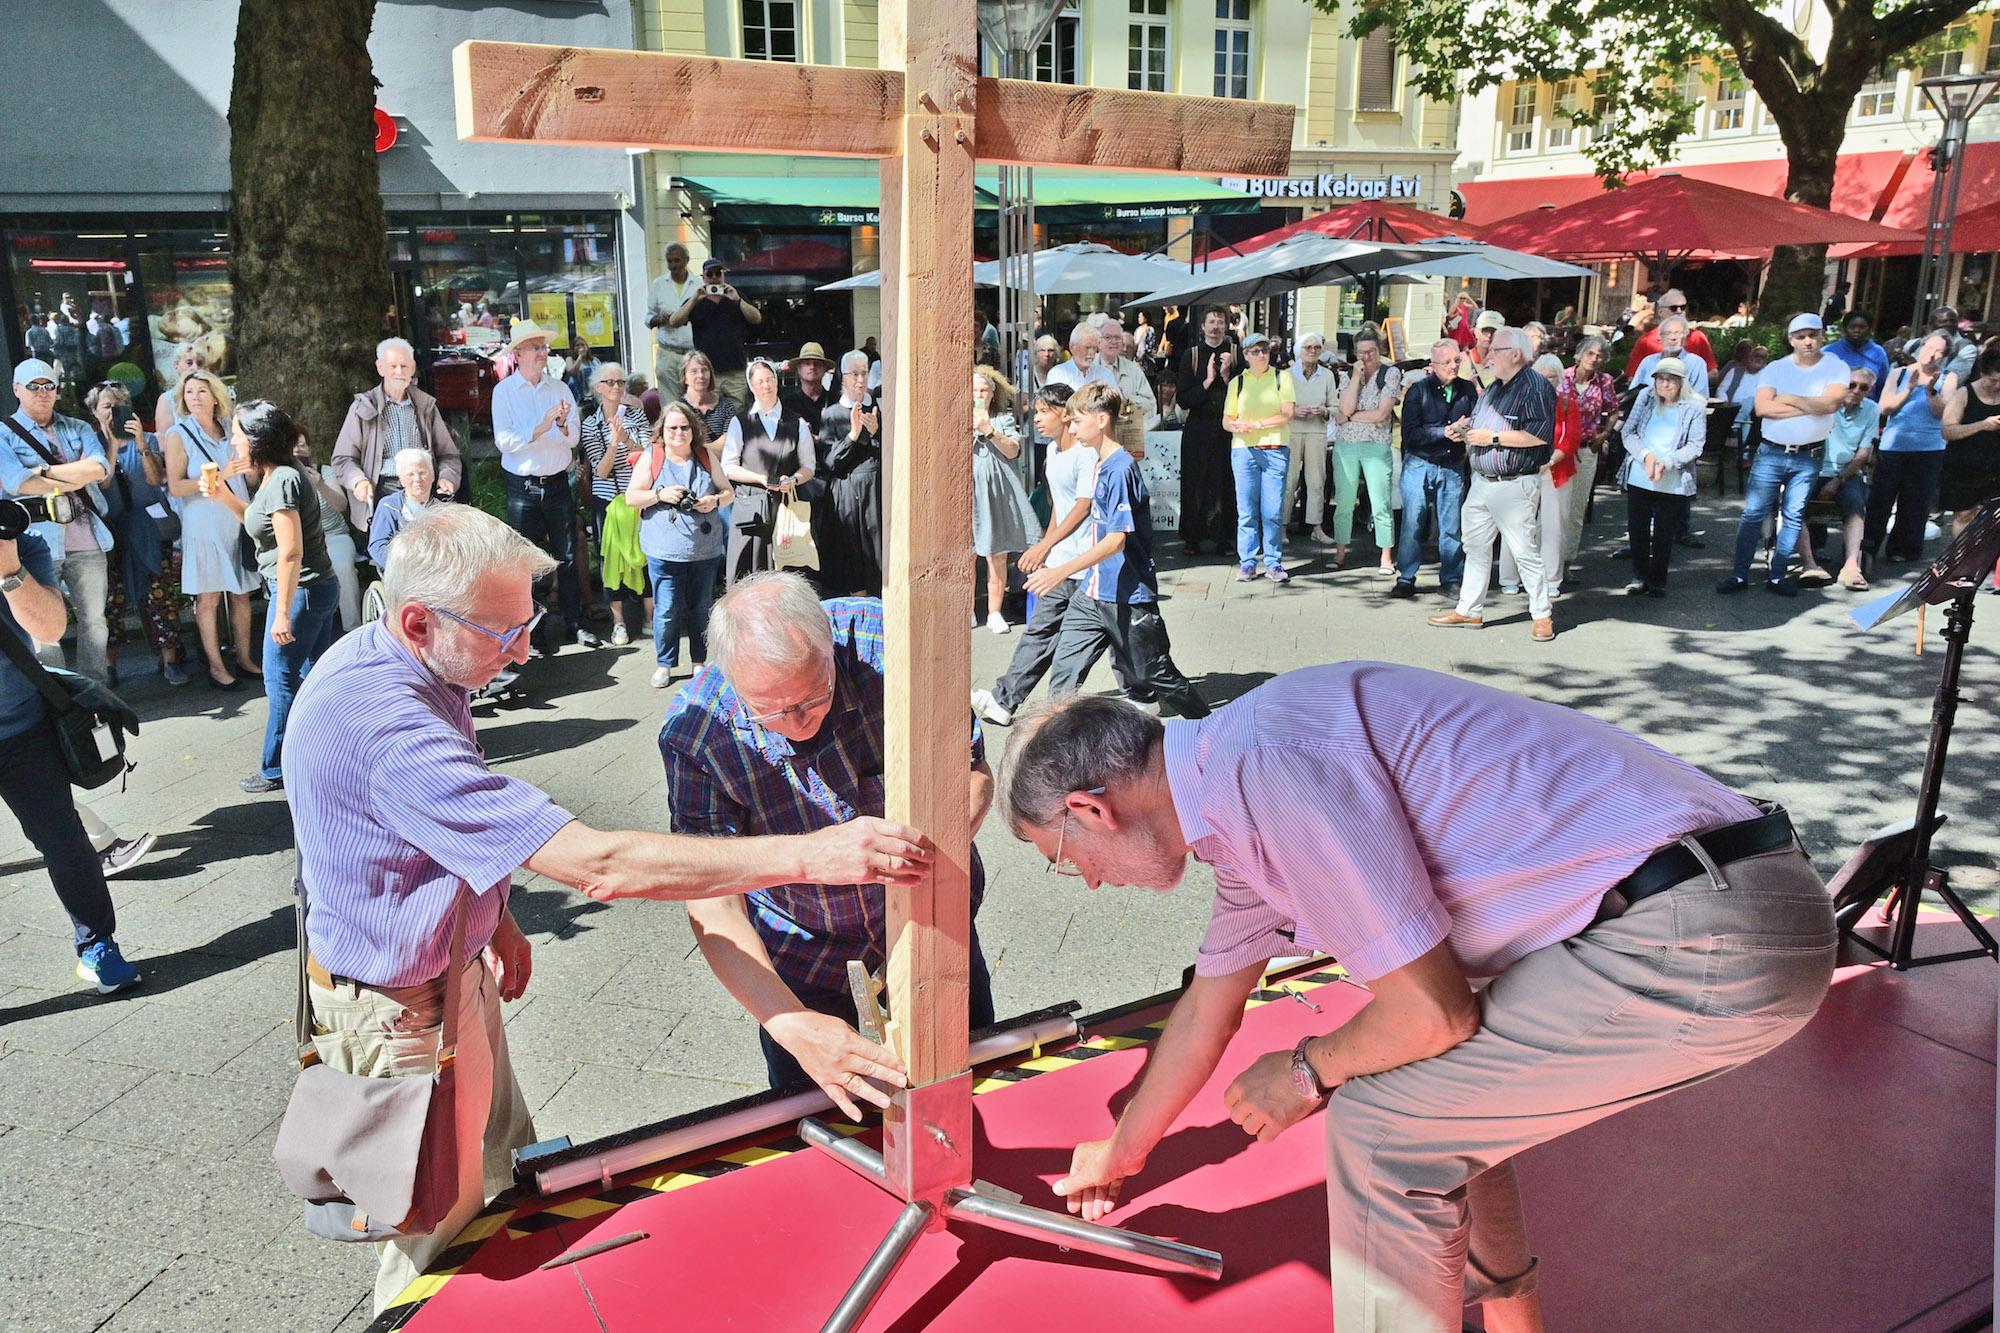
x: 1800, y: 322
x: 34, y: 368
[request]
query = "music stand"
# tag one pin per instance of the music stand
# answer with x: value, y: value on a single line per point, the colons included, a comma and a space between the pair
x: 1953, y: 578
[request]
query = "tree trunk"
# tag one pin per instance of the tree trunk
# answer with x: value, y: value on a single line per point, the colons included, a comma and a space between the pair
x: 308, y: 261
x: 1812, y: 132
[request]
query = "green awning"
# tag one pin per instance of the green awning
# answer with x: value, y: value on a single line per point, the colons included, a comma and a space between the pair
x: 1119, y: 196
x: 854, y: 201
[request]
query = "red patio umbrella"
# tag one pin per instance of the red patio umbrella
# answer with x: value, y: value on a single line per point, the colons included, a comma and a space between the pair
x: 1665, y: 219
x: 1369, y: 220
x: 1976, y: 232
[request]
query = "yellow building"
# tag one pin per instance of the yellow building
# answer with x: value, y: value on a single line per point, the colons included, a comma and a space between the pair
x: 789, y: 225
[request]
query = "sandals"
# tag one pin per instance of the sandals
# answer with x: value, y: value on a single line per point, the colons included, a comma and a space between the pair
x: 1854, y: 584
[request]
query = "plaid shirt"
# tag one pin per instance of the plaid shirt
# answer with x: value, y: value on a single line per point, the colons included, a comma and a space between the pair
x: 729, y: 777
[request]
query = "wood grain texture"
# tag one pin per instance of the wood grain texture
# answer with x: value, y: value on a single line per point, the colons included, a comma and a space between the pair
x: 1050, y: 124
x: 646, y: 99
x: 928, y: 583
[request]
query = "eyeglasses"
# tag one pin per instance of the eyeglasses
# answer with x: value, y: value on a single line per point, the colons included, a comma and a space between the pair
x: 40, y: 386
x: 1258, y: 350
x: 1060, y: 865
x: 799, y: 710
x: 505, y: 638
x: 611, y: 379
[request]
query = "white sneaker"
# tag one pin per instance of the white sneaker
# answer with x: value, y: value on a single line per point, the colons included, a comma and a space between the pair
x: 125, y: 853
x: 662, y: 677
x: 620, y: 636
x: 1150, y: 707
x: 990, y: 709
x: 998, y: 623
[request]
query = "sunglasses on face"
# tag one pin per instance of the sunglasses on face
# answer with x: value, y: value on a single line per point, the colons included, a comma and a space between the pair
x: 610, y: 380
x: 1681, y: 306
x: 40, y: 386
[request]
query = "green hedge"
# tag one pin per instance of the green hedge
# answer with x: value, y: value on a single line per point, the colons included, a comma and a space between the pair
x: 489, y: 487
x: 1770, y: 336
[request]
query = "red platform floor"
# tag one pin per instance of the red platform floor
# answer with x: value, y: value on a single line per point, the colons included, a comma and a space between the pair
x: 1844, y: 1182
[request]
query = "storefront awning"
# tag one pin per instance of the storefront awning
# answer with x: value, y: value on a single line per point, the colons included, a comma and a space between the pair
x: 1864, y: 184
x: 854, y: 201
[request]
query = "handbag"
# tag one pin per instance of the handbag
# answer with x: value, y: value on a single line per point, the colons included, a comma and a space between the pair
x: 91, y: 722
x: 361, y: 1151
x: 792, y: 545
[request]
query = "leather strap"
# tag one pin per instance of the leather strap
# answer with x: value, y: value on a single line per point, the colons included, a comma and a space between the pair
x: 310, y: 969
x: 83, y: 496
x: 1675, y: 864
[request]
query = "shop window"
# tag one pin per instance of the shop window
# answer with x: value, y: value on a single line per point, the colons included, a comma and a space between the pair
x: 1561, y: 132
x: 469, y: 277
x: 1521, y: 118
x: 1375, y: 84
x: 1146, y: 46
x: 1731, y: 107
x: 1877, y: 98
x: 1950, y: 61
x: 77, y: 304
x: 1232, y: 48
x: 780, y: 271
x: 770, y: 30
x: 1059, y: 59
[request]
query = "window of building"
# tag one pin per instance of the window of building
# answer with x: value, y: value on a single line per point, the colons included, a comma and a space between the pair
x: 1059, y: 59
x: 770, y: 30
x: 1146, y: 46
x: 1375, y: 84
x: 1562, y: 131
x: 1991, y: 60
x: 1877, y: 97
x: 1956, y: 37
x: 1521, y: 118
x: 1731, y: 105
x: 1232, y: 48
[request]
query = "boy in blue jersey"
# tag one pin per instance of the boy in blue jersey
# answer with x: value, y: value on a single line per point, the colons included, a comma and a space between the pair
x: 1118, y: 605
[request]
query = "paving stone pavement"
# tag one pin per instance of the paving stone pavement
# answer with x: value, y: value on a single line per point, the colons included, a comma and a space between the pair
x: 136, y: 1190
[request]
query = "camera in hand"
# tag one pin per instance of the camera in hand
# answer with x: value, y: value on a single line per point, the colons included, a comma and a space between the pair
x: 716, y: 289
x: 18, y: 513
x: 687, y: 502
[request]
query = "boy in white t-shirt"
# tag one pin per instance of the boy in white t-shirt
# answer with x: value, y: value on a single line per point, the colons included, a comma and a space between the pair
x: 1071, y: 471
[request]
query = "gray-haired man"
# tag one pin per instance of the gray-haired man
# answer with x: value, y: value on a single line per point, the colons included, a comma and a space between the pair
x: 393, y: 416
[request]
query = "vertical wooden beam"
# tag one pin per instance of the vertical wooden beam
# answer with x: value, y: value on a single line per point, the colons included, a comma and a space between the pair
x: 928, y: 592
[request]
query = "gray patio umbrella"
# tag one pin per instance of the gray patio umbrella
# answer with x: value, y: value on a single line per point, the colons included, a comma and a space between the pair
x: 1088, y: 267
x: 1476, y: 259
x: 1303, y: 261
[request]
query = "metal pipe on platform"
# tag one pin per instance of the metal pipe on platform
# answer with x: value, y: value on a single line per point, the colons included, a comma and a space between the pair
x: 1130, y: 1247
x: 600, y: 1168
x: 858, y: 1158
x: 910, y: 1224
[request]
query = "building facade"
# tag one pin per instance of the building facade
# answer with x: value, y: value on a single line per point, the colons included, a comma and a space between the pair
x: 790, y: 225
x: 117, y: 197
x: 1519, y: 152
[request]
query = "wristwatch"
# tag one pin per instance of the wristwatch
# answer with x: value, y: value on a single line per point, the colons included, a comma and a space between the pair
x: 1304, y: 1077
x: 14, y: 580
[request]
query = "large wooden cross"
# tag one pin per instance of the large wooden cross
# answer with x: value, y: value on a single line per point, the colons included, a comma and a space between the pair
x: 928, y: 117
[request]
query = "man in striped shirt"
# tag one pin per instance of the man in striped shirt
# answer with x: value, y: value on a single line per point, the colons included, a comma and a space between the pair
x: 400, y: 824
x: 783, y: 732
x: 1644, y: 928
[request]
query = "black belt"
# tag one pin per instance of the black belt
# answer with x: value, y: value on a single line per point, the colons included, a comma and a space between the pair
x: 1812, y: 448
x: 1675, y: 864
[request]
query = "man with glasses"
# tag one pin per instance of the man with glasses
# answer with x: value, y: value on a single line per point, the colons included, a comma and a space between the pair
x: 400, y: 827
x: 1671, y: 303
x: 783, y: 733
x: 1646, y: 930
x: 1796, y: 401
x: 1673, y: 334
x: 43, y: 452
x: 1507, y: 439
x: 536, y: 427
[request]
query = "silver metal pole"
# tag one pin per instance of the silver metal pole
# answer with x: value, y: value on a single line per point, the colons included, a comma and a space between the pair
x: 911, y: 1224
x: 858, y: 1158
x: 1018, y: 1219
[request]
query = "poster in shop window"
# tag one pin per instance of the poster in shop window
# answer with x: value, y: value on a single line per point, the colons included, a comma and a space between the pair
x: 551, y: 311
x: 594, y: 318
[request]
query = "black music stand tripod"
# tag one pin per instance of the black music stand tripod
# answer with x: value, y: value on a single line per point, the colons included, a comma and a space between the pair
x: 1953, y: 579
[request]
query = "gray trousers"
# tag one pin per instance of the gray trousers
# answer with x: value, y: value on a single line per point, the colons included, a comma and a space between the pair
x: 1037, y: 649
x: 1424, y: 1211
x: 84, y: 577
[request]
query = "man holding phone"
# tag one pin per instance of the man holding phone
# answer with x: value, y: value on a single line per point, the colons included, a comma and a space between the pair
x: 720, y: 318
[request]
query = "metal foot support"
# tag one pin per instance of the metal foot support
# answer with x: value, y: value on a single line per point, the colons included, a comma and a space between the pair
x: 964, y: 1204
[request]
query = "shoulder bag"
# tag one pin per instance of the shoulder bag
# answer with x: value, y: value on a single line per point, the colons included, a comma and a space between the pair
x: 91, y: 722
x: 373, y: 1158
x: 84, y: 497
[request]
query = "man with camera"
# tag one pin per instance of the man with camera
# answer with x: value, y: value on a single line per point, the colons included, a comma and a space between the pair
x: 720, y: 318
x: 34, y: 781
x: 46, y: 454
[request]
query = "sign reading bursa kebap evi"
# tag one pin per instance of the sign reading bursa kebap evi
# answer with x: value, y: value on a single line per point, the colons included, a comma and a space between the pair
x: 1329, y: 185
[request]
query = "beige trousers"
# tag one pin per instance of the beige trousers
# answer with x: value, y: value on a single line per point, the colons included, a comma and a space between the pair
x: 1554, y: 516
x: 1578, y: 495
x: 385, y: 1033
x: 1308, y: 460
x: 1425, y: 1215
x: 667, y: 372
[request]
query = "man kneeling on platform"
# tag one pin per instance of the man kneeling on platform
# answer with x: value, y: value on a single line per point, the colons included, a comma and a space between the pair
x: 1644, y: 929
x: 782, y: 732
x: 400, y: 824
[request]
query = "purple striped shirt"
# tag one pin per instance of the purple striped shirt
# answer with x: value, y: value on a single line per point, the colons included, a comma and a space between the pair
x: 395, y: 812
x: 1372, y: 811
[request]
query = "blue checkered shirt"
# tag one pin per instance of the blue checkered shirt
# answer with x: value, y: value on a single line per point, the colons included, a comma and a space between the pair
x: 729, y: 777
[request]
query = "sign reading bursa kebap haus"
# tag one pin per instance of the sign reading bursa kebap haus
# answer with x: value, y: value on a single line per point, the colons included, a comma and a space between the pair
x: 1329, y: 185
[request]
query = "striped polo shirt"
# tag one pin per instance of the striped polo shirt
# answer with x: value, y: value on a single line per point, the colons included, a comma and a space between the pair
x: 395, y: 813
x: 1372, y: 812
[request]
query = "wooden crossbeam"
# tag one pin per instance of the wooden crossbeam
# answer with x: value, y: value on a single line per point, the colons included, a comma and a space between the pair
x: 647, y: 99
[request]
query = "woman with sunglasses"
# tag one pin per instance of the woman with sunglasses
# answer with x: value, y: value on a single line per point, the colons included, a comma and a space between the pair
x: 1257, y: 413
x: 1364, y: 424
x: 678, y: 489
x: 612, y: 437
